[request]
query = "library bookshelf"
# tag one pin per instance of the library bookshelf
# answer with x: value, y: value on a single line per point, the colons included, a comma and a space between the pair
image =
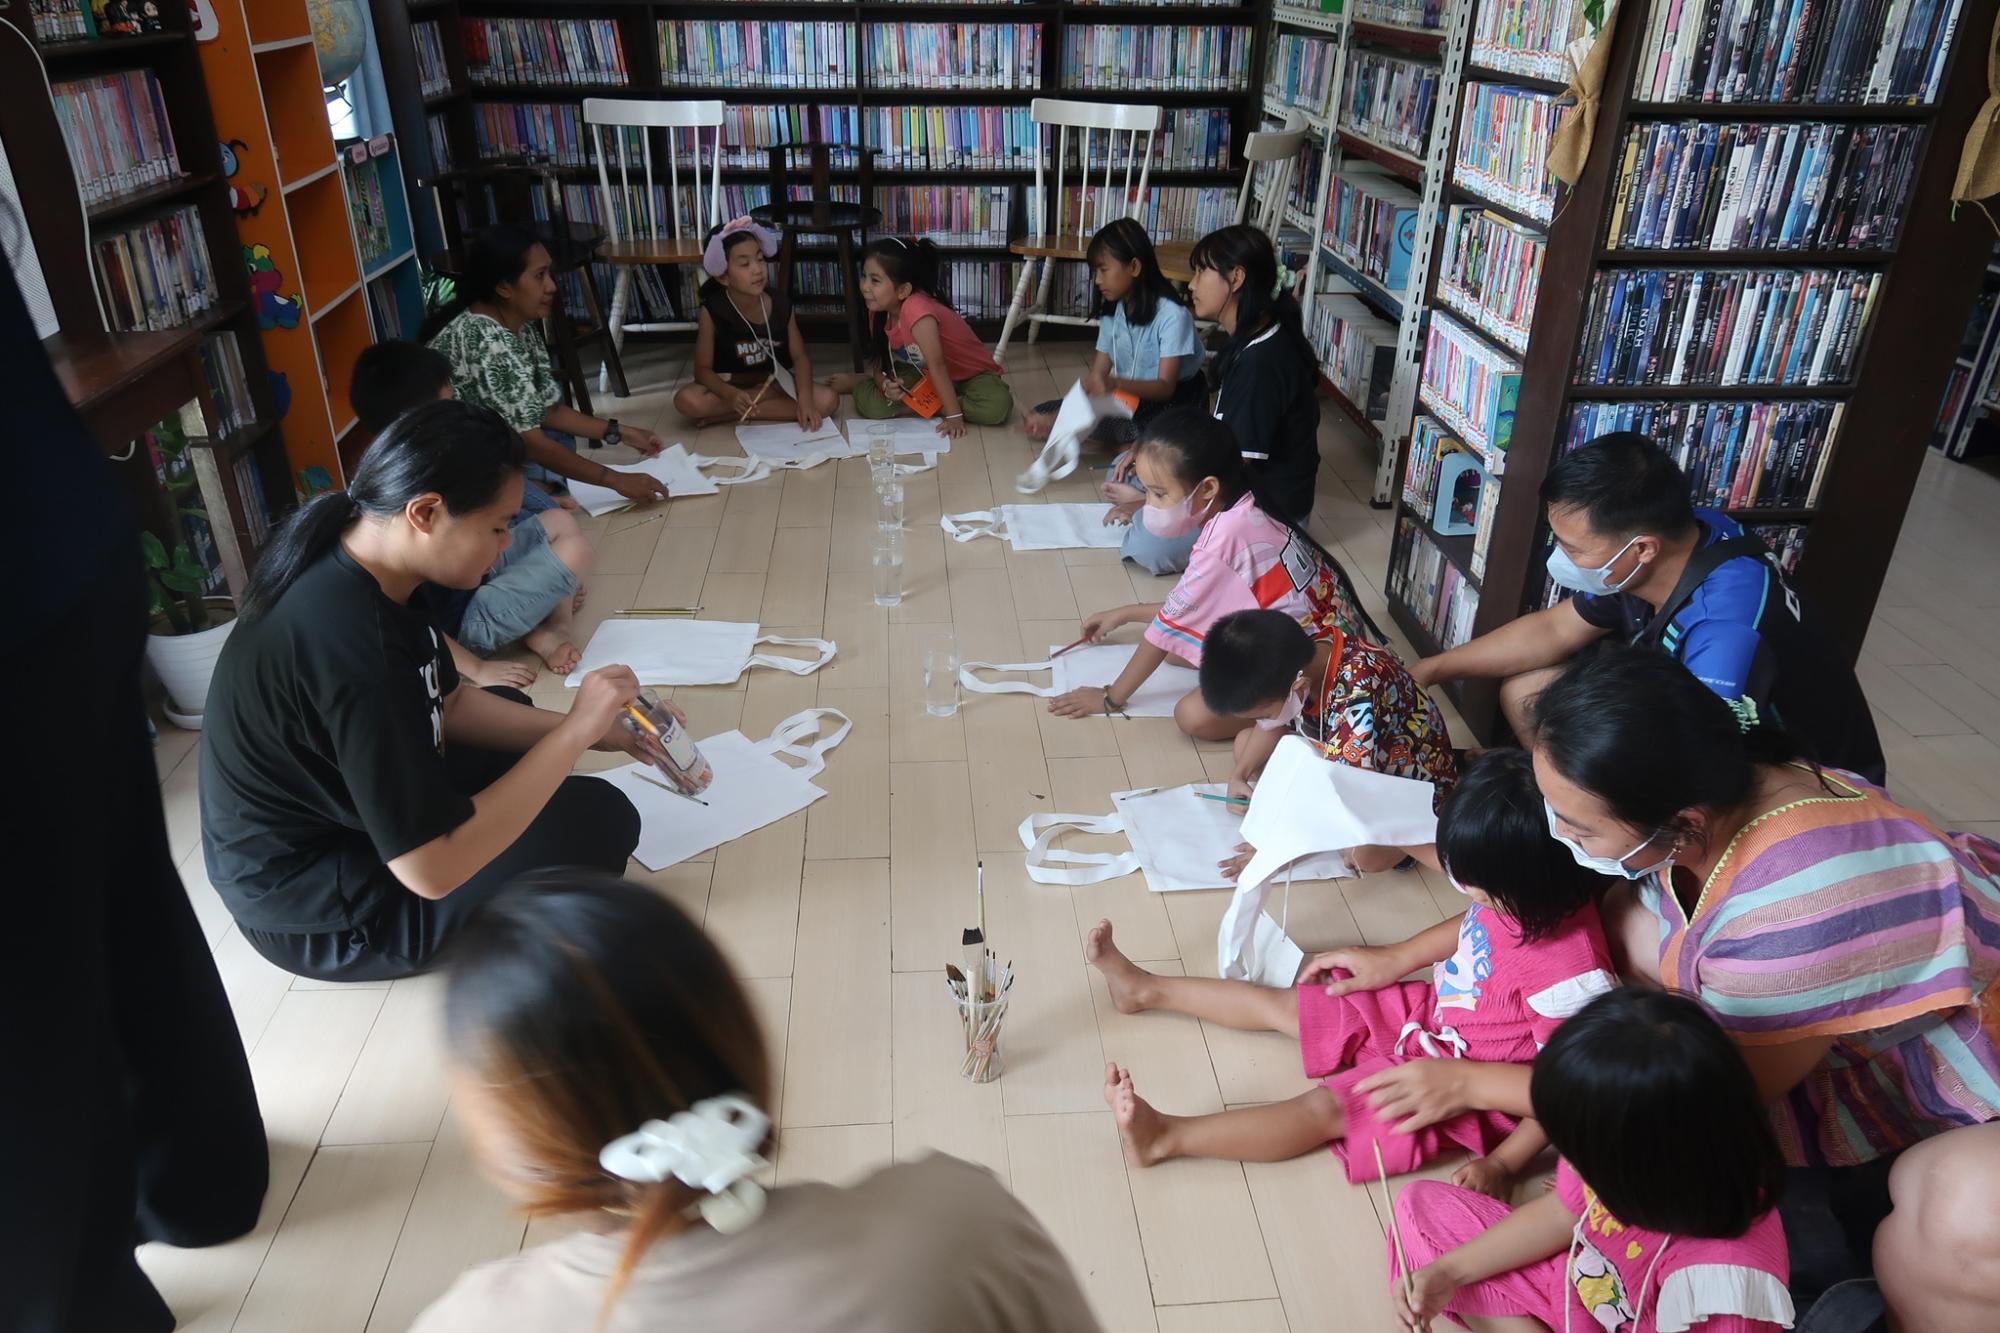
x: 443, y: 113
x: 1550, y: 389
x: 129, y: 355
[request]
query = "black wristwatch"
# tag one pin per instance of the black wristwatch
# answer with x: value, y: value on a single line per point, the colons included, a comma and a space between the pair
x: 612, y: 435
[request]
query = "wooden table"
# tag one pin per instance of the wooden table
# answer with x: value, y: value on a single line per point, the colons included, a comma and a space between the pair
x: 1174, y: 263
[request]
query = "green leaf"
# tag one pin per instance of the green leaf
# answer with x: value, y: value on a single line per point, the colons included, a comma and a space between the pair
x: 193, y: 511
x: 155, y: 553
x: 184, y: 584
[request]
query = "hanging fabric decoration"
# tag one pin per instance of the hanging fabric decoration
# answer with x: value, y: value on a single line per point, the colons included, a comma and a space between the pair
x: 1979, y: 162
x: 1589, y: 58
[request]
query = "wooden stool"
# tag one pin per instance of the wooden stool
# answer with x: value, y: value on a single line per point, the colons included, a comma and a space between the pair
x: 848, y: 223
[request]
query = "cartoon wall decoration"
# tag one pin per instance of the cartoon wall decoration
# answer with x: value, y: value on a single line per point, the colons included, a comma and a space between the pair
x: 248, y: 198
x: 274, y: 310
x: 281, y: 394
x: 202, y: 12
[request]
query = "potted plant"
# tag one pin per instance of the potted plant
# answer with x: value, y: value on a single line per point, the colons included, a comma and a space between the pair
x: 187, y: 626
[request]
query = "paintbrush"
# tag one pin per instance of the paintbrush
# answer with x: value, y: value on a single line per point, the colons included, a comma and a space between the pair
x: 1226, y: 800
x: 762, y: 389
x: 1409, y: 1284
x: 1065, y: 648
x: 657, y: 611
x: 668, y: 786
x: 973, y: 943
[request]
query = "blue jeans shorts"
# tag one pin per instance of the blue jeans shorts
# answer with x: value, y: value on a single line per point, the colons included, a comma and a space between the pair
x: 528, y: 583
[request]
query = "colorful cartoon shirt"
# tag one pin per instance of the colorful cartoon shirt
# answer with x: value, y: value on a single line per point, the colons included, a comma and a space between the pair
x: 1369, y: 713
x: 1500, y: 999
x: 508, y: 372
x: 1626, y: 1279
x: 1245, y: 560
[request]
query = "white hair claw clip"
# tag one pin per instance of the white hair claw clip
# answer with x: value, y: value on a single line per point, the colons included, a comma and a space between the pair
x: 711, y: 1147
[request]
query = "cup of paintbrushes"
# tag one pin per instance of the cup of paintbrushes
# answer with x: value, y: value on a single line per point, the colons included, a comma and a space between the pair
x: 985, y: 1056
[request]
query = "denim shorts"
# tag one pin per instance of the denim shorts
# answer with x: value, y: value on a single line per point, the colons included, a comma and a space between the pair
x: 529, y: 581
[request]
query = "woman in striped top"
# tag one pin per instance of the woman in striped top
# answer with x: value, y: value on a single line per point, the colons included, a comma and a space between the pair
x: 1845, y: 943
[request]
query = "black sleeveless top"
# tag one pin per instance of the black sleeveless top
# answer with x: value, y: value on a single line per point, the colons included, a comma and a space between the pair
x: 741, y: 345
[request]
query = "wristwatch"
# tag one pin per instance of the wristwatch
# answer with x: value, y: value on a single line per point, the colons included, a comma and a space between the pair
x: 612, y: 435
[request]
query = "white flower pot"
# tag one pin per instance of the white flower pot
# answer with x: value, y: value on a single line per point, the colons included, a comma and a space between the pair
x: 185, y: 662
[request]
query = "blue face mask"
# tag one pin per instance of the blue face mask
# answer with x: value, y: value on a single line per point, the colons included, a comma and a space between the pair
x: 1605, y: 865
x: 1596, y: 582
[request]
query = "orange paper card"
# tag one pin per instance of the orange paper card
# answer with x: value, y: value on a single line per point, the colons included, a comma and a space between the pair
x: 922, y: 397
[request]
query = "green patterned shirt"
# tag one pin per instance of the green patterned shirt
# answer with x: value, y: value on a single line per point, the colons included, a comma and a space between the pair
x: 508, y: 372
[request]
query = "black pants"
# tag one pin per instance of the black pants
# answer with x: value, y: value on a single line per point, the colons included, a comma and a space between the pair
x: 126, y: 1108
x: 1830, y: 1215
x: 587, y: 823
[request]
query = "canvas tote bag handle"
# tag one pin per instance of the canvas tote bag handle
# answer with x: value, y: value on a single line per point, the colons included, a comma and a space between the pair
x: 978, y: 686
x: 790, y: 738
x: 1038, y: 831
x: 975, y: 523
x: 798, y: 666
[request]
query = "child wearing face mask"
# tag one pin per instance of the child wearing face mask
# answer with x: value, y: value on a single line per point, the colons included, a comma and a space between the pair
x: 1528, y: 952
x: 1245, y: 557
x: 1352, y: 699
x: 1662, y: 1214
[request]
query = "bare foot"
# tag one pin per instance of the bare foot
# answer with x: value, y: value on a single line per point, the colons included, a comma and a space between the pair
x: 1038, y: 424
x: 1141, y: 1129
x: 558, y: 653
x: 1130, y: 984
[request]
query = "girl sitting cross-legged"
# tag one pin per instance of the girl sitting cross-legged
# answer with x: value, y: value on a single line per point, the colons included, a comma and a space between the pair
x: 1527, y: 953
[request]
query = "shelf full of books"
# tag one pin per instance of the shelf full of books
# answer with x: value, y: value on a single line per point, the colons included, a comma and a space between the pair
x: 1746, y: 270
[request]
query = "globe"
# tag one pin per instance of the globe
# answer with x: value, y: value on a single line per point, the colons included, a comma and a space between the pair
x: 340, y: 32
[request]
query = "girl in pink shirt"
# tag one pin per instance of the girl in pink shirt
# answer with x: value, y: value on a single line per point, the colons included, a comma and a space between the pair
x: 1662, y: 1216
x: 1526, y: 954
x: 1246, y: 559
x: 919, y: 337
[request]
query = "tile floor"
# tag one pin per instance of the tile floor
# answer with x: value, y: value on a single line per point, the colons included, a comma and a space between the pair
x: 854, y: 905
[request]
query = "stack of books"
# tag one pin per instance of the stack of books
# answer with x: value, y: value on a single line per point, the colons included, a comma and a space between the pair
x: 954, y: 55
x: 116, y: 128
x: 1299, y: 70
x: 1357, y: 351
x: 1472, y: 387
x: 757, y: 53
x: 1130, y: 58
x: 1526, y: 36
x: 1737, y: 455
x: 1883, y: 51
x: 1435, y: 591
x: 228, y: 385
x: 1490, y: 273
x: 157, y: 274
x: 544, y: 52
x: 1389, y: 99
x: 950, y: 138
x: 1504, y: 134
x: 1371, y: 222
x: 433, y: 71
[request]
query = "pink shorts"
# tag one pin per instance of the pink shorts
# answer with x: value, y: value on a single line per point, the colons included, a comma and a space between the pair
x: 1435, y: 1218
x: 1343, y: 1039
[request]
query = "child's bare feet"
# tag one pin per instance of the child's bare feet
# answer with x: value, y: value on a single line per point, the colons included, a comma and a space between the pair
x: 1130, y: 985
x: 1038, y: 424
x: 557, y: 652
x: 1141, y: 1129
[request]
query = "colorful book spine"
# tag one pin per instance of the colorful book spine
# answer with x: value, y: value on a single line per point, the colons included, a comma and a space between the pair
x: 510, y: 129
x: 1423, y: 15
x: 62, y: 20
x: 545, y: 52
x: 954, y: 55
x: 1472, y: 387
x: 1706, y: 185
x: 1434, y: 590
x: 119, y: 137
x: 433, y: 71
x: 1737, y: 455
x: 1724, y: 326
x: 1189, y: 139
x: 1357, y: 351
x: 440, y: 138
x: 1389, y: 99
x: 1830, y: 51
x: 749, y: 132
x: 1527, y: 36
x: 1504, y: 134
x: 156, y: 275
x: 1371, y: 223
x: 948, y: 214
x: 1298, y: 70
x: 950, y: 138
x: 1491, y: 273
x: 1168, y: 213
x: 758, y: 53
x: 368, y: 209
x: 228, y: 385
x: 1158, y: 58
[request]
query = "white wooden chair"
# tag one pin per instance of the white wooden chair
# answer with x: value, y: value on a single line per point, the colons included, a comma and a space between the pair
x: 1270, y: 156
x: 1062, y: 228
x: 651, y: 229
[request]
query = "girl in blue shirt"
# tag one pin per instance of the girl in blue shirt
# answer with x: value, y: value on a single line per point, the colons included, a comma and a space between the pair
x: 1147, y: 348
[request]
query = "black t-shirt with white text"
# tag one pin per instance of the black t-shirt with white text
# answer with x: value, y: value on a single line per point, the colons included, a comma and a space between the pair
x: 744, y: 345
x: 322, y: 753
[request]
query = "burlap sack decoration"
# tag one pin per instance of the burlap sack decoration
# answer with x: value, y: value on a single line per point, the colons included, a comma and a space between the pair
x: 1979, y: 164
x: 1570, y: 148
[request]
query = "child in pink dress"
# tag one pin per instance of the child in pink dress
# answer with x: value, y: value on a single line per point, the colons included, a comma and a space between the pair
x: 1662, y: 1215
x: 1527, y: 953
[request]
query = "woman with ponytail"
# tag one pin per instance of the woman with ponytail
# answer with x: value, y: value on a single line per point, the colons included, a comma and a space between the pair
x: 1266, y: 376
x: 358, y: 804
x: 610, y: 1070
x: 1248, y: 557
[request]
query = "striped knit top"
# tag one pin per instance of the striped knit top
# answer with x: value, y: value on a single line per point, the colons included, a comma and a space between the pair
x: 1848, y: 916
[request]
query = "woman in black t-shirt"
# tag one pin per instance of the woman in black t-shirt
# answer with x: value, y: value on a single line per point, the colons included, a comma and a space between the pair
x: 357, y: 804
x: 1266, y: 377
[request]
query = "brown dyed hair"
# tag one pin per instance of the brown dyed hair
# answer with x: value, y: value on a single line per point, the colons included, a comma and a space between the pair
x: 589, y: 1005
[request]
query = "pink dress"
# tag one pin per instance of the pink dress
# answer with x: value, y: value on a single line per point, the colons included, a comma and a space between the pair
x: 1245, y: 560
x: 1615, y: 1278
x: 1496, y: 1000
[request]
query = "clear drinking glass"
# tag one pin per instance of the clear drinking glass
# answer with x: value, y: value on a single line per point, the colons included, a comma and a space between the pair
x: 881, y: 448
x: 889, y: 503
x: 941, y: 676
x: 887, y: 563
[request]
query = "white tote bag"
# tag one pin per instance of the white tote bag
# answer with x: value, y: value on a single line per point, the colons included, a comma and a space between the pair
x: 1304, y: 807
x: 787, y: 444
x: 677, y: 469
x: 1092, y: 664
x: 1052, y: 527
x: 691, y: 652
x: 1179, y: 839
x: 1079, y: 414
x: 752, y: 787
x: 911, y: 435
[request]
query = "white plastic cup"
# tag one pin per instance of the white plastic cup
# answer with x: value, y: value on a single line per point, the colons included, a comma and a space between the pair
x: 889, y: 503
x: 887, y: 563
x: 941, y: 676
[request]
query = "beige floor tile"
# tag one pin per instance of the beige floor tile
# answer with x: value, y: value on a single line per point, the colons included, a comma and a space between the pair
x: 806, y: 498
x: 1915, y: 711
x: 627, y: 549
x: 1084, y: 787
x: 1249, y: 1066
x: 678, y: 568
x: 1054, y: 1059
x: 1200, y: 1233
x: 1390, y: 907
x: 173, y: 748
x: 837, y: 1056
x: 914, y: 735
x: 833, y: 1154
x: 1157, y: 753
x: 749, y: 522
x: 1041, y: 590
x: 771, y: 997
x: 686, y: 884
x: 732, y: 596
x: 458, y: 1219
x: 859, y: 628
x: 1164, y: 1053
x: 795, y: 588
x: 931, y: 862
x: 397, y: 1092
x: 770, y: 694
x: 1009, y: 780
x: 1966, y: 698
x: 180, y: 796
x: 1232, y: 1317
x: 936, y: 1109
x: 1070, y: 1172
x: 254, y: 986
x: 753, y: 899
x: 853, y: 819
x: 209, y: 909
x: 926, y: 587
x: 1326, y: 1246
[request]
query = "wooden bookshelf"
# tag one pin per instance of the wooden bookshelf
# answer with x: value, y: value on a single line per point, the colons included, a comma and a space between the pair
x: 1929, y: 277
x: 637, y: 22
x: 123, y: 383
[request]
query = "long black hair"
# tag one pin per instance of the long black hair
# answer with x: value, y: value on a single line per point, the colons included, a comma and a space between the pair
x: 493, y: 257
x: 1194, y: 445
x: 712, y: 283
x: 1124, y: 241
x: 1259, y: 305
x: 1653, y: 1106
x: 913, y: 262
x: 1636, y: 729
x: 1494, y: 836
x: 459, y: 451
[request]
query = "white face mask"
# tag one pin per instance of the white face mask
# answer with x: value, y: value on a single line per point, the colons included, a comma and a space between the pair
x: 1294, y: 708
x: 1176, y: 520
x: 1596, y: 582
x: 1605, y: 865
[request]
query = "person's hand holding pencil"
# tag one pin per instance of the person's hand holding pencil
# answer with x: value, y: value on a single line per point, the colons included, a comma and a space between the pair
x: 755, y: 399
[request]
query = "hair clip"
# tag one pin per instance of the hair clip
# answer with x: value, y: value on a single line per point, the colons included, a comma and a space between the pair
x: 711, y: 1147
x: 1745, y: 709
x: 1287, y: 279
